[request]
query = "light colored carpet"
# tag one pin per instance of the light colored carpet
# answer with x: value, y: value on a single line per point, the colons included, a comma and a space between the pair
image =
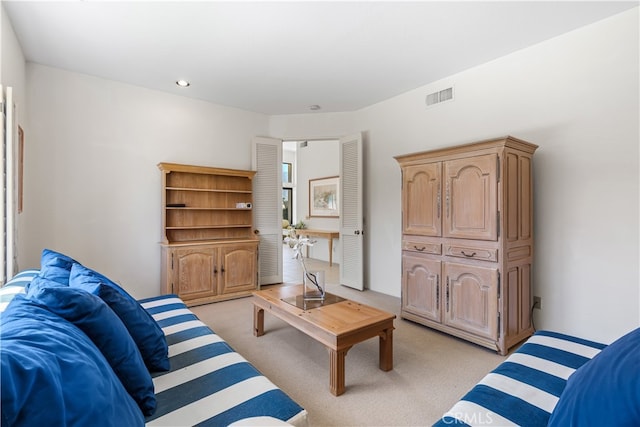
x: 431, y: 370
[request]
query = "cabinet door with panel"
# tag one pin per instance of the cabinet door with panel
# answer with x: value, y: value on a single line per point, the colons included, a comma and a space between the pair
x: 471, y: 299
x: 238, y: 268
x: 471, y: 198
x: 421, y: 285
x: 422, y: 199
x: 195, y: 272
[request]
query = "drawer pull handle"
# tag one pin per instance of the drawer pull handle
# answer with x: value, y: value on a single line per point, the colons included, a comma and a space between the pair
x: 420, y: 249
x: 468, y: 256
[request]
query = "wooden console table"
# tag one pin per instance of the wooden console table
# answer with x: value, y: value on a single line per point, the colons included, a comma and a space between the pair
x: 325, y: 234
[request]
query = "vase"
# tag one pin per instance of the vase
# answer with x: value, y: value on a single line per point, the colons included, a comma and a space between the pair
x: 313, y: 285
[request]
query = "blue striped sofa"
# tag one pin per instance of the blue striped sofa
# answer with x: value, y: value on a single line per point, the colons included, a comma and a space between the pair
x: 557, y: 380
x: 208, y: 384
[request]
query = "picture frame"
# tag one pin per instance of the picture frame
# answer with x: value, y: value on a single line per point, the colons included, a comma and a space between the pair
x: 324, y: 197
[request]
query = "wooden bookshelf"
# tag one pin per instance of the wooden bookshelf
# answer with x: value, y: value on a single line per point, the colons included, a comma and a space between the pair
x: 209, y: 250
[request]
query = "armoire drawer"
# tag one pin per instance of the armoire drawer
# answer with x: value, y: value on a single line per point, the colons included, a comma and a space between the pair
x: 415, y: 245
x: 471, y: 252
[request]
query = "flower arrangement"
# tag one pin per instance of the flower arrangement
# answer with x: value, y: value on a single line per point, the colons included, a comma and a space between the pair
x: 297, y: 243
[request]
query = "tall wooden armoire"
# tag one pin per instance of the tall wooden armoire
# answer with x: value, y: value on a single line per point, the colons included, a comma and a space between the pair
x: 467, y: 240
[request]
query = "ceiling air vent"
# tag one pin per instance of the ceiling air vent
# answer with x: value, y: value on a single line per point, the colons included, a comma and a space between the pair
x: 441, y: 96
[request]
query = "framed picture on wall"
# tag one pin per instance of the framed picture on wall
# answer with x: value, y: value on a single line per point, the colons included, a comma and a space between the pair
x: 324, y: 197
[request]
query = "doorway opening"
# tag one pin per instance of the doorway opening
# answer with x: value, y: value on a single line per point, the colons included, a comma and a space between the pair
x: 303, y: 163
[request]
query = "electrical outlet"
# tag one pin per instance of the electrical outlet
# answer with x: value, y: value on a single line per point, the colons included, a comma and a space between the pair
x: 537, y: 303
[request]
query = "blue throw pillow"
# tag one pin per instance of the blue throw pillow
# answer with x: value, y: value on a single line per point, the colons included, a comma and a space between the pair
x: 89, y: 313
x: 55, y: 266
x: 53, y: 375
x: 142, y: 327
x: 605, y: 390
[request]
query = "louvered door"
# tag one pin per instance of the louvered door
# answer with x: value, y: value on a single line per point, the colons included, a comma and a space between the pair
x: 351, y: 219
x: 267, y: 210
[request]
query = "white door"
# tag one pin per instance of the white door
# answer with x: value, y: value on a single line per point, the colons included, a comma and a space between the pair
x: 10, y: 188
x: 7, y: 192
x: 3, y: 277
x: 351, y: 215
x: 267, y: 207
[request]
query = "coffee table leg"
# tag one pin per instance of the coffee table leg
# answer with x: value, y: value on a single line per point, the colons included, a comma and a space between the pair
x: 386, y: 349
x: 258, y: 321
x: 336, y: 371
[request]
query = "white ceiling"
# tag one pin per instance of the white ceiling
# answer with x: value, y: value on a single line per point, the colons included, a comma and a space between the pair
x: 282, y: 57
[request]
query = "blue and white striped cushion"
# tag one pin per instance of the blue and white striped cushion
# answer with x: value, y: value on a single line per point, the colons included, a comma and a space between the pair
x: 209, y: 383
x: 15, y: 286
x: 525, y: 388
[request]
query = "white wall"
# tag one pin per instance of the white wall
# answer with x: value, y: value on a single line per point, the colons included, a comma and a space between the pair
x: 92, y: 186
x: 304, y: 127
x: 576, y: 96
x: 12, y: 64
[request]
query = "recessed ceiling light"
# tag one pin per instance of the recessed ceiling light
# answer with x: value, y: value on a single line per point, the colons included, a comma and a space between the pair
x: 183, y: 83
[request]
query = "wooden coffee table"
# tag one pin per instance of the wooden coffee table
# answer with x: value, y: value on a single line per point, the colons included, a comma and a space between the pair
x: 337, y: 323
